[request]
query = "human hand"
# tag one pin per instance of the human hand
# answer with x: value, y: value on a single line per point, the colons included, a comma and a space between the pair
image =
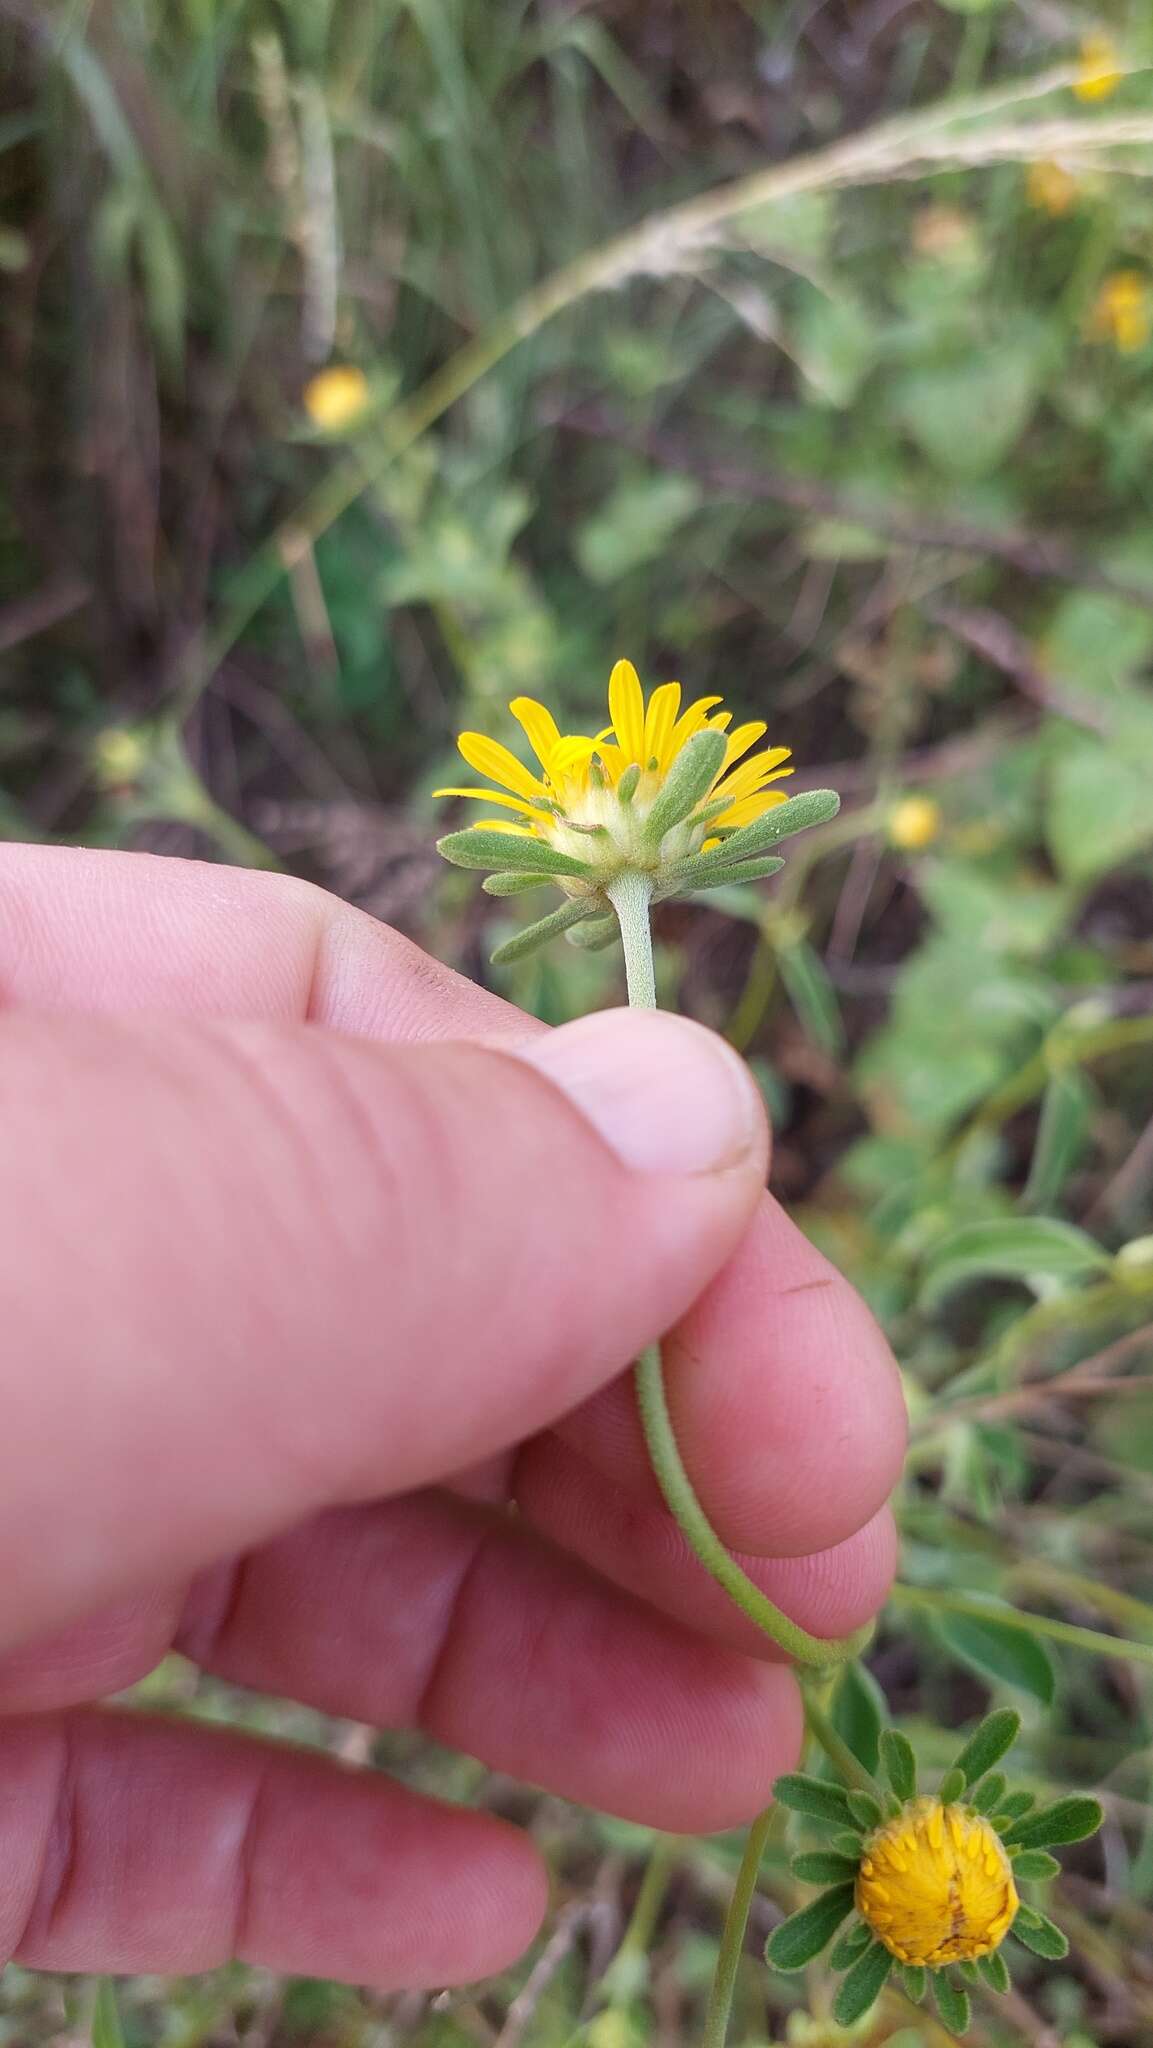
x: 314, y: 1258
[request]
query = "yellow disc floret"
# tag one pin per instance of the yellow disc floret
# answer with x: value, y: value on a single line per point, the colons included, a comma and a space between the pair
x: 936, y: 1885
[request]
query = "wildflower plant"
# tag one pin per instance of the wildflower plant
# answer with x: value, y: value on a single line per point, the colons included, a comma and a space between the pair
x: 666, y: 800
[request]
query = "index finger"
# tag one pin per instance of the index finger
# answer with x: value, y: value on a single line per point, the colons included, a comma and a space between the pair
x: 105, y: 933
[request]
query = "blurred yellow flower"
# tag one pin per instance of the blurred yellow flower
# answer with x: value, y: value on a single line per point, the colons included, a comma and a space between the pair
x: 936, y: 1885
x: 1099, y: 70
x: 1050, y: 187
x: 914, y: 822
x: 118, y: 756
x: 1123, y: 312
x: 335, y: 397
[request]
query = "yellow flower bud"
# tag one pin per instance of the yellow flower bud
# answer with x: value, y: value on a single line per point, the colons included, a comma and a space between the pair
x: 118, y: 756
x: 1099, y: 70
x: 936, y: 1885
x: 335, y: 397
x: 914, y: 823
x: 1050, y: 187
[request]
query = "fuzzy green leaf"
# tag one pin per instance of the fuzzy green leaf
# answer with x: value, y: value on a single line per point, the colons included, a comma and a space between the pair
x: 596, y: 933
x: 483, y: 848
x: 1011, y: 1247
x: 690, y: 779
x: 1014, y: 1805
x: 952, y: 2003
x: 990, y: 1741
x: 803, y: 1935
x: 1035, y: 1866
x: 969, y: 1971
x: 1000, y: 1648
x: 915, y: 1980
x: 863, y: 1985
x: 986, y: 1796
x: 864, y: 1809
x: 817, y: 1797
x: 1040, y: 1934
x: 1068, y: 1820
x: 995, y: 1970
x: 515, y: 884
x: 859, y: 1713
x: 539, y: 934
x: 951, y: 1787
x: 703, y: 872
x: 812, y: 807
x: 847, y: 1843
x: 823, y: 1866
x: 846, y: 1950
x: 900, y: 1763
x: 627, y: 786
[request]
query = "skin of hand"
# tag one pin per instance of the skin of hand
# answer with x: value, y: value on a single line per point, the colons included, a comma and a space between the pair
x: 315, y: 1260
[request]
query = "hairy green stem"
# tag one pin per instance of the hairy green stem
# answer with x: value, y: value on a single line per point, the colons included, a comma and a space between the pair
x: 733, y: 1937
x: 630, y: 895
x: 850, y: 1768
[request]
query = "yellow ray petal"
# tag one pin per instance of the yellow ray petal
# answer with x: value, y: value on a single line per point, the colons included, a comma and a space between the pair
x: 488, y: 757
x: 570, y: 756
x: 740, y: 741
x: 503, y: 825
x: 754, y: 773
x: 660, y: 719
x: 750, y: 807
x: 614, y: 761
x: 627, y: 710
x: 539, y: 726
x: 690, y: 722
x: 492, y: 796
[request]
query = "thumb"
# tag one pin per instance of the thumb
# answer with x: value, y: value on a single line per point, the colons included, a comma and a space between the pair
x: 250, y: 1270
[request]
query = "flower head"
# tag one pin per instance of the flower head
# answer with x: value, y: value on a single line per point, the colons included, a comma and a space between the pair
x: 914, y: 823
x: 666, y: 791
x: 932, y: 1880
x: 1099, y: 69
x: 1123, y: 312
x: 335, y: 397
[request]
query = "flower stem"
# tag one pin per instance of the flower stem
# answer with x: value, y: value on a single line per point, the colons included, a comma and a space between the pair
x: 733, y: 1937
x: 630, y: 895
x: 851, y: 1769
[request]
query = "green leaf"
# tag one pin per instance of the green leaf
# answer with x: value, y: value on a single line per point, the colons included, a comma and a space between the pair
x: 1035, y: 1866
x: 478, y: 847
x: 864, y: 1809
x: 952, y: 2003
x: 796, y: 814
x: 803, y: 1935
x: 1062, y: 1128
x: 823, y: 1866
x: 539, y: 934
x: 1015, y: 1804
x: 1040, y: 1934
x: 817, y: 1797
x: 1098, y: 813
x: 951, y: 1787
x: 859, y: 1713
x: 1096, y: 642
x: 995, y: 1970
x: 848, y: 1948
x: 515, y: 884
x: 709, y: 876
x: 595, y: 934
x: 996, y: 1649
x: 992, y: 1739
x: 1010, y: 1247
x: 899, y: 1760
x: 627, y: 784
x: 847, y: 1844
x: 863, y: 1985
x: 985, y: 1797
x: 965, y: 416
x: 107, y: 2031
x: 915, y: 1981
x: 835, y: 342
x: 689, y: 780
x: 969, y: 1971
x: 812, y: 995
x: 1067, y: 1820
x: 635, y: 525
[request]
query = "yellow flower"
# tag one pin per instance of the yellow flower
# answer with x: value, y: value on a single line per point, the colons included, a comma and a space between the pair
x: 936, y: 1885
x: 592, y: 797
x: 1099, y: 70
x: 1050, y: 187
x: 1121, y: 312
x: 914, y: 823
x: 335, y: 397
x: 119, y: 756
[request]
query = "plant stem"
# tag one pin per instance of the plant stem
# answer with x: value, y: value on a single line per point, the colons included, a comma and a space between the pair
x: 851, y: 1769
x: 630, y: 896
x: 733, y: 1936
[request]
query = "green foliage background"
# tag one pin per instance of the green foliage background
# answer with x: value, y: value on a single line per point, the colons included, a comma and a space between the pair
x: 856, y: 445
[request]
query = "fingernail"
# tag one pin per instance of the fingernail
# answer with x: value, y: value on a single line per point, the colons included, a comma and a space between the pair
x: 667, y: 1095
